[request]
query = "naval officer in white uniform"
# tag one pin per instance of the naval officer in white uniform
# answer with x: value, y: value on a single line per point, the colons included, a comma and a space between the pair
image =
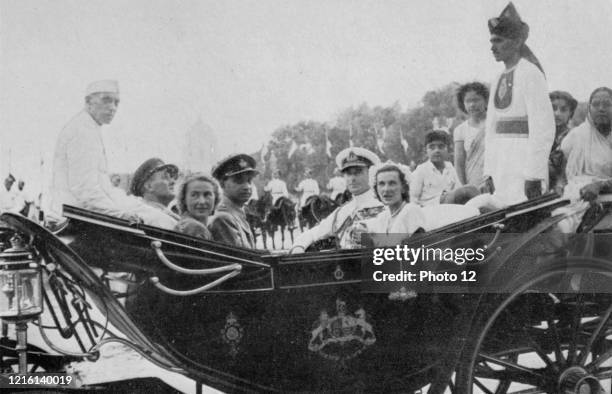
x: 354, y: 164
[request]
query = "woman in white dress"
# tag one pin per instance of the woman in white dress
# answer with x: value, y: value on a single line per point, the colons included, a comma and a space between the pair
x: 400, y: 218
x: 469, y: 136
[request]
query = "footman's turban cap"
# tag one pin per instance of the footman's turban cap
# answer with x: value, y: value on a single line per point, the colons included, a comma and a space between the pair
x: 509, y: 24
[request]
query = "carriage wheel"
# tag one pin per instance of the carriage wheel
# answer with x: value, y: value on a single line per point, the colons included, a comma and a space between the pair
x: 535, y: 342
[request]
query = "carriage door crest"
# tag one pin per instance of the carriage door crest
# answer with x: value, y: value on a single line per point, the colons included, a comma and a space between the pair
x: 343, y: 336
x: 232, y: 333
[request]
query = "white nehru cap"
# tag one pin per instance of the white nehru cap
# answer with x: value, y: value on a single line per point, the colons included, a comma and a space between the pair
x: 107, y: 86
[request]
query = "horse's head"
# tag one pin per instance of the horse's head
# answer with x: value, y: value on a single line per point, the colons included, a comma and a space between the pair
x: 259, y: 207
x: 323, y: 206
x: 317, y: 208
x: 343, y: 197
x: 283, y: 212
x: 288, y: 207
x: 266, y: 201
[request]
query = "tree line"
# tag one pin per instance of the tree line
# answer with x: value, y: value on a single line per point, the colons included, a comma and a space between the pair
x: 391, y: 133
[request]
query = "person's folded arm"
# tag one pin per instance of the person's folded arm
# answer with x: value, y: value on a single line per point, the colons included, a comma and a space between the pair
x: 83, y: 154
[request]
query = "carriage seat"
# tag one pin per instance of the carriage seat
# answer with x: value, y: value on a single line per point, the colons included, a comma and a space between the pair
x: 437, y: 216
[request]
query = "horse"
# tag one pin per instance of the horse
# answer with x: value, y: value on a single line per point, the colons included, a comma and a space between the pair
x: 256, y: 215
x: 316, y: 209
x: 282, y: 214
x: 343, y: 197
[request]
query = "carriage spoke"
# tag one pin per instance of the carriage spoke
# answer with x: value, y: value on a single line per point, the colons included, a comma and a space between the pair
x: 604, y: 373
x: 511, y: 366
x: 526, y: 332
x: 571, y: 354
x: 482, y: 386
x: 597, y: 361
x: 540, y: 352
x: 505, y: 376
x: 529, y: 391
x: 603, y: 322
x: 552, y: 326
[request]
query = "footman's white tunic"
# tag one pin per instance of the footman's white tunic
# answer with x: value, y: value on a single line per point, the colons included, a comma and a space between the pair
x: 520, y: 130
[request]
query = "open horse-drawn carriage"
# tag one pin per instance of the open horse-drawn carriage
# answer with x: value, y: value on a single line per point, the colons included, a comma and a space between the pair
x: 243, y: 320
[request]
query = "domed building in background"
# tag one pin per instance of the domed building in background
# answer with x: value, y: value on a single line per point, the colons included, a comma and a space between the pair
x: 200, y: 148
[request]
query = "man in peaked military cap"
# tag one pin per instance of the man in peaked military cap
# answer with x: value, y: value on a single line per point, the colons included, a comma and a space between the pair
x: 520, y: 126
x: 229, y: 224
x: 354, y: 163
x: 154, y: 182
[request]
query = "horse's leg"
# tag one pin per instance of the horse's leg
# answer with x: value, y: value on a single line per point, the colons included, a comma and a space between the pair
x: 263, y: 236
x: 282, y: 230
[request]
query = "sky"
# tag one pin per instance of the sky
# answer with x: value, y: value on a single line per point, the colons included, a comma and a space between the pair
x: 245, y: 68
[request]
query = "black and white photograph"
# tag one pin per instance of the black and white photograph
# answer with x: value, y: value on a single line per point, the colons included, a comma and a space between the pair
x: 291, y: 196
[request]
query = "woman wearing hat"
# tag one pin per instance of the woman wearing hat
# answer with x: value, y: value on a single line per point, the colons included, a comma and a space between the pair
x: 520, y: 125
x: 197, y: 198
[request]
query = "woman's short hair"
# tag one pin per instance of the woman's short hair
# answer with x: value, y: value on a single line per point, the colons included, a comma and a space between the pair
x: 391, y: 167
x: 477, y: 87
x: 181, y: 196
x: 571, y: 102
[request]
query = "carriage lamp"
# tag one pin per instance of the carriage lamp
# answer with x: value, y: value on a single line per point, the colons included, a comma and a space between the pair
x: 20, y: 292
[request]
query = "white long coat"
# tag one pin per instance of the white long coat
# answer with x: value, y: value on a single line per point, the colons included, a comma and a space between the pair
x: 80, y: 176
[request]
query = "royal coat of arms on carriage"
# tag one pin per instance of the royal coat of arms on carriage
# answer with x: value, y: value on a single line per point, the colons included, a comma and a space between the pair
x: 343, y: 336
x: 232, y: 333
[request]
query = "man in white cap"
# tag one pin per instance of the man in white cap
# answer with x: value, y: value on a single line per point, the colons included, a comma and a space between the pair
x: 80, y: 175
x: 354, y: 163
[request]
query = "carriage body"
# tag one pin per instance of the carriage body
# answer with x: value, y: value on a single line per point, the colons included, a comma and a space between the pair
x: 288, y: 323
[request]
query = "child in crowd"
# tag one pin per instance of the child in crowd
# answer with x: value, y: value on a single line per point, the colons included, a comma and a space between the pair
x: 436, y: 181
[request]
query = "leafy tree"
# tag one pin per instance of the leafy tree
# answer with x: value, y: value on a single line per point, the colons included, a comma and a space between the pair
x: 383, y: 130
